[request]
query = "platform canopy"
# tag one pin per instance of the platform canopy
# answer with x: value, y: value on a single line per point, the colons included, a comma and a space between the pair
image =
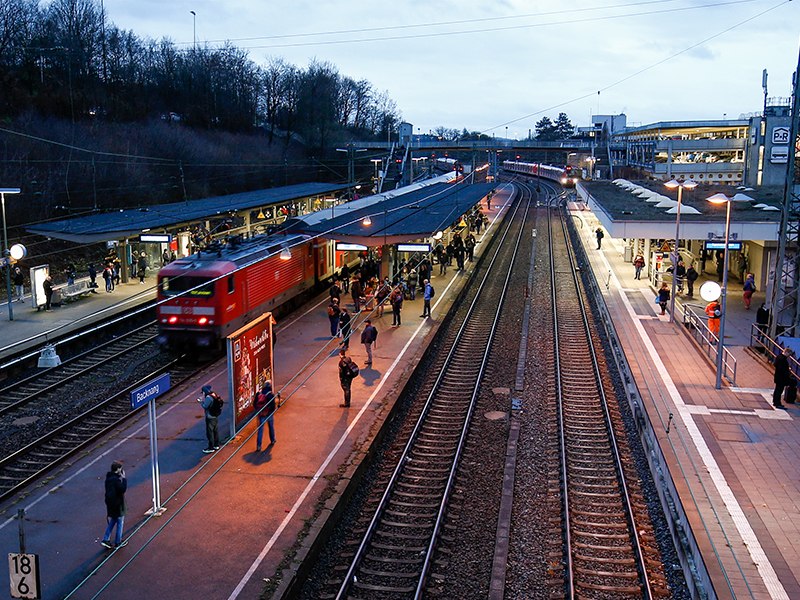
x: 417, y: 212
x: 118, y: 225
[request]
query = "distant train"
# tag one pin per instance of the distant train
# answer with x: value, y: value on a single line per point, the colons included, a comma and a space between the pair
x: 212, y: 293
x: 565, y: 176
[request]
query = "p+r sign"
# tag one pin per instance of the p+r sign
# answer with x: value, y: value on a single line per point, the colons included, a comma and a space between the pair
x: 149, y: 391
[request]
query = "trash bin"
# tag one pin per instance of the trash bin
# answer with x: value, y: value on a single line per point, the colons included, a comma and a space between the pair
x: 628, y: 254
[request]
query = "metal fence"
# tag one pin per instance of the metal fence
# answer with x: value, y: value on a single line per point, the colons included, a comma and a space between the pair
x: 697, y: 324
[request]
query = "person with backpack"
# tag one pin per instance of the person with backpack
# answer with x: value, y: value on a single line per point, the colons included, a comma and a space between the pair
x: 599, y: 235
x: 368, y: 337
x: 427, y: 294
x: 396, y: 300
x: 264, y: 405
x: 638, y: 265
x: 212, y: 405
x: 348, y: 370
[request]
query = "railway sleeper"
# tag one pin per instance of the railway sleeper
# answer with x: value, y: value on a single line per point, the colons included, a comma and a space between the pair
x: 400, y: 574
x: 402, y: 536
x: 606, y: 559
x: 612, y: 589
x: 418, y: 486
x: 599, y: 524
x: 420, y: 505
x: 602, y: 536
x: 416, y: 525
x: 620, y: 575
x: 403, y: 549
x: 408, y: 515
x: 383, y: 588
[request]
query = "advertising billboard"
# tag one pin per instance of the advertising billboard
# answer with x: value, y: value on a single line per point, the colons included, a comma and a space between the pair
x: 249, y: 366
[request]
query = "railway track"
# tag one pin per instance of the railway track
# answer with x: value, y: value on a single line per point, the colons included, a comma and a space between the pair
x: 80, y: 369
x: 602, y: 552
x: 37, y: 458
x: 394, y: 556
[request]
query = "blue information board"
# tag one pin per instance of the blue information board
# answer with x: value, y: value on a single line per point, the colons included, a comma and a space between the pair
x: 149, y: 391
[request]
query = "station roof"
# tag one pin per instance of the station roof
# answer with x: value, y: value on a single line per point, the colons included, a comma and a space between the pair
x: 417, y: 212
x: 688, y: 126
x: 627, y: 215
x: 122, y: 224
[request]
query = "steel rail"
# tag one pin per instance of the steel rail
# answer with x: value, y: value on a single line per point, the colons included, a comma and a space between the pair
x: 404, y: 457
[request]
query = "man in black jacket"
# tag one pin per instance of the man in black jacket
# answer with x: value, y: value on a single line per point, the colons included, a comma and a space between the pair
x: 783, y: 378
x: 116, y: 485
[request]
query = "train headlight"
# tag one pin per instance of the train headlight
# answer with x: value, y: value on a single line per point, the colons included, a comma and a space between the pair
x: 564, y: 180
x: 202, y: 321
x: 172, y: 320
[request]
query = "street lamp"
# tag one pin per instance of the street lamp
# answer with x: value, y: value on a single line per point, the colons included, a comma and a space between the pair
x: 194, y: 29
x: 689, y: 185
x: 720, y: 199
x: 6, y: 251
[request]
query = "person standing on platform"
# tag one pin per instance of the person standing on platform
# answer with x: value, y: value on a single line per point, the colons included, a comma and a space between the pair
x: 345, y: 326
x: 680, y: 275
x: 691, y: 277
x: 762, y: 320
x: 368, y: 337
x: 71, y: 273
x: 748, y: 290
x: 48, y: 292
x: 663, y: 297
x: 784, y: 378
x: 598, y: 233
x: 335, y: 291
x: 345, y: 274
x: 638, y: 264
x: 355, y: 292
x: 116, y: 486
x: 714, y: 311
x: 347, y: 372
x: 264, y: 405
x: 333, y: 316
x: 117, y: 270
x: 469, y: 245
x: 19, y: 283
x: 212, y: 405
x: 720, y: 265
x: 141, y: 266
x: 92, y: 278
x: 165, y: 258
x: 427, y: 294
x: 396, y: 300
x: 108, y: 277
x: 412, y: 281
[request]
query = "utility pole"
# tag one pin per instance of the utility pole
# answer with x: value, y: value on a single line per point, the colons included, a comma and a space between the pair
x: 783, y: 302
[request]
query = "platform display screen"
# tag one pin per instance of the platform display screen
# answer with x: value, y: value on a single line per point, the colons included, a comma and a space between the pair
x: 250, y: 365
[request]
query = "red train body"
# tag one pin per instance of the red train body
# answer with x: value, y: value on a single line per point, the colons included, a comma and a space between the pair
x: 210, y: 294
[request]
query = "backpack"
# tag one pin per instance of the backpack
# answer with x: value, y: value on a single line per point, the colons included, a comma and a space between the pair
x: 260, y: 401
x: 433, y: 291
x: 354, y: 370
x: 215, y: 409
x: 331, y: 311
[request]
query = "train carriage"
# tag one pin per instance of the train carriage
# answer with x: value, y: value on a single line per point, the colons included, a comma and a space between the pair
x: 565, y: 176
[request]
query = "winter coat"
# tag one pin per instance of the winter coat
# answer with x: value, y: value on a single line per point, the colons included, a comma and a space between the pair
x: 116, y: 485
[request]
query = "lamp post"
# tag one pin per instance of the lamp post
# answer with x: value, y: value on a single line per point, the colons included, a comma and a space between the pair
x: 719, y: 199
x: 6, y: 251
x: 194, y: 29
x: 689, y: 185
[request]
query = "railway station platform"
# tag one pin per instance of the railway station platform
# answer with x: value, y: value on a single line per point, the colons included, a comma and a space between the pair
x: 730, y: 456
x: 233, y: 518
x: 31, y: 329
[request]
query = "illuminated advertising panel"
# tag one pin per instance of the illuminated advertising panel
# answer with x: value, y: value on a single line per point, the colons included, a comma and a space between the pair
x: 249, y: 366
x: 158, y: 238
x: 721, y: 246
x: 38, y: 275
x: 413, y: 247
x: 343, y: 247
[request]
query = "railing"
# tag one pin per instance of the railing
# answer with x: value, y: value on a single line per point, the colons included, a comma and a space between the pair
x: 708, y: 341
x: 770, y: 348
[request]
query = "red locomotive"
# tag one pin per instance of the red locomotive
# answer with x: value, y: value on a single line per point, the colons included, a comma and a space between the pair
x: 215, y: 291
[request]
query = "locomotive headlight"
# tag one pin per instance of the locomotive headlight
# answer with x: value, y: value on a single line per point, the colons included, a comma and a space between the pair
x: 172, y: 320
x: 202, y: 321
x: 564, y: 180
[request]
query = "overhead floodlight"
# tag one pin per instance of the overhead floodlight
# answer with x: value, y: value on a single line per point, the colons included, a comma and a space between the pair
x: 366, y: 222
x: 286, y: 254
x: 718, y: 199
x: 18, y: 251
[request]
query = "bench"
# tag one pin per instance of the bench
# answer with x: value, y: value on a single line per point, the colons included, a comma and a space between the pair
x: 75, y: 291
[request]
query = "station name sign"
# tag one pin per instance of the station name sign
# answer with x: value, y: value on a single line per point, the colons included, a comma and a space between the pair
x: 158, y: 238
x: 413, y: 247
x: 343, y: 247
x: 721, y: 245
x: 149, y: 391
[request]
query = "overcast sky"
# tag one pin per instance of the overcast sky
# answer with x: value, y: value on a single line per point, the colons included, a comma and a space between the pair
x: 496, y: 63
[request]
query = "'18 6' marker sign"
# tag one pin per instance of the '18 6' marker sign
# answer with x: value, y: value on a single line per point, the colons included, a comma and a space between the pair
x: 23, y: 572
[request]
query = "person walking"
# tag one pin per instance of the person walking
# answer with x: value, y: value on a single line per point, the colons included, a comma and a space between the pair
x: 396, y: 300
x: 348, y: 371
x: 368, y: 337
x: 783, y: 378
x: 333, y: 316
x: 714, y: 311
x: 427, y: 294
x: 598, y: 233
x: 115, y: 488
x: 345, y: 327
x: 680, y: 275
x: 345, y: 278
x: 264, y: 405
x: 19, y: 283
x: 212, y: 405
x: 748, y: 290
x: 381, y: 294
x: 141, y: 267
x: 663, y: 297
x: 638, y: 264
x: 355, y: 292
x: 48, y: 292
x: 469, y: 245
x: 691, y: 277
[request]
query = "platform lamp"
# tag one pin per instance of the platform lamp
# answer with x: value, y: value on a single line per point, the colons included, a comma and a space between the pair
x: 720, y: 199
x: 18, y: 249
x: 689, y: 185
